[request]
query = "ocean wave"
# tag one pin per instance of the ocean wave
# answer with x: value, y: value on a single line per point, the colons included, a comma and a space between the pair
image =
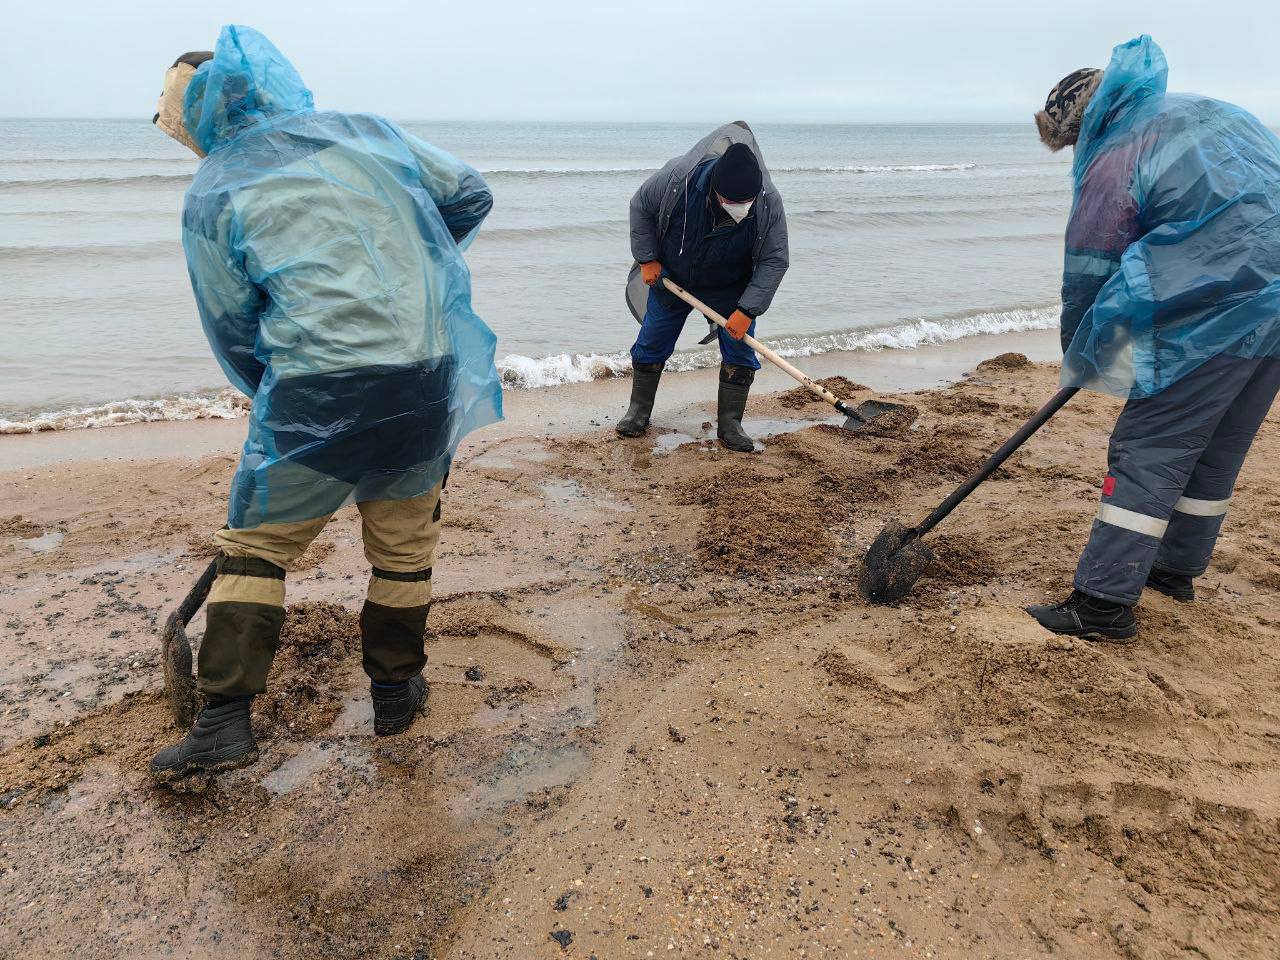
x: 142, y: 179
x: 533, y: 173
x: 223, y: 405
x: 83, y: 253
x: 519, y: 372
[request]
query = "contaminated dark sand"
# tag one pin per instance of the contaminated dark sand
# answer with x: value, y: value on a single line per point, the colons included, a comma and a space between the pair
x: 663, y: 723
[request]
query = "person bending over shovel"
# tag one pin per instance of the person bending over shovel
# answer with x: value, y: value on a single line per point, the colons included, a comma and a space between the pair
x: 325, y: 254
x: 1171, y: 299
x: 713, y: 222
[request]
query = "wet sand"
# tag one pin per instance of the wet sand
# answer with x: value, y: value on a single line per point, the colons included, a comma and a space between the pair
x: 663, y: 723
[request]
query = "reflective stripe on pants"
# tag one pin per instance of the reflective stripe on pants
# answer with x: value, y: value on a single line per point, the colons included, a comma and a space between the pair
x: 1172, y: 463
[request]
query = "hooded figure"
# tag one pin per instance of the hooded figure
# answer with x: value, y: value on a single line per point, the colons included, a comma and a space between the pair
x: 325, y: 254
x: 713, y: 221
x: 1170, y: 298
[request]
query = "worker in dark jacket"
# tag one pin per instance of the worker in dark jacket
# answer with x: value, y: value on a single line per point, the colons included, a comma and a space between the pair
x: 713, y: 222
x: 1171, y: 299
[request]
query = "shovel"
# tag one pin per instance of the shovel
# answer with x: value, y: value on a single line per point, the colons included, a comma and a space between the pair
x: 175, y: 652
x: 856, y: 418
x: 898, y: 557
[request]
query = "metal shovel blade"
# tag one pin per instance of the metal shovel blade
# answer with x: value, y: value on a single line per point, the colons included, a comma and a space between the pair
x: 880, y: 416
x: 179, y: 679
x: 895, y: 561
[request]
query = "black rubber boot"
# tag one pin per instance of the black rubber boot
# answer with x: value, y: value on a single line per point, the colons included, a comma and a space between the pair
x: 394, y: 707
x: 1176, y: 585
x: 220, y: 739
x: 735, y: 384
x: 644, y: 387
x: 1081, y: 615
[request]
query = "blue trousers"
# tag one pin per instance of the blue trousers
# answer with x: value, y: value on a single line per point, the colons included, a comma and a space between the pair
x: 1172, y: 465
x: 664, y: 318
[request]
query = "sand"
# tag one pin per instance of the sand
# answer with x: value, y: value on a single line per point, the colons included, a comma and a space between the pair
x: 662, y: 721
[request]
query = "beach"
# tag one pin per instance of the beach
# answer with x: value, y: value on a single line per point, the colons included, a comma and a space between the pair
x: 663, y: 723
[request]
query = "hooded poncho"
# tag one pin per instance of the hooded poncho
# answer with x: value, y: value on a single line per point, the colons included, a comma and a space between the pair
x: 325, y: 253
x: 1173, y: 246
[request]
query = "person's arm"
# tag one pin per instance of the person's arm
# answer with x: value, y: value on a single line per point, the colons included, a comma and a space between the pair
x: 228, y: 301
x: 458, y: 191
x: 1104, y: 221
x: 645, y: 206
x: 774, y: 260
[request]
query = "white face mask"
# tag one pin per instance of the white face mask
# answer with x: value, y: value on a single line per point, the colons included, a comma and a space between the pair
x: 738, y: 211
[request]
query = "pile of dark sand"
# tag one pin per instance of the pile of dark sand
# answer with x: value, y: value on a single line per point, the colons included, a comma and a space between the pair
x: 800, y: 397
x: 20, y: 527
x: 304, y: 693
x: 1005, y: 361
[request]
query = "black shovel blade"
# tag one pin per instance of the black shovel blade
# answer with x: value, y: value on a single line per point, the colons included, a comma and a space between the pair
x: 179, y: 679
x: 881, y: 416
x: 895, y: 561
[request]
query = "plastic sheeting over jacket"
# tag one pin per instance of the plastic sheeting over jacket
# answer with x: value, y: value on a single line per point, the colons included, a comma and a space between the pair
x: 325, y: 252
x: 657, y: 198
x: 1173, y: 246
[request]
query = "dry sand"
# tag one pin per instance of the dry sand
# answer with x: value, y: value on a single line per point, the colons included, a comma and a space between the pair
x: 663, y: 723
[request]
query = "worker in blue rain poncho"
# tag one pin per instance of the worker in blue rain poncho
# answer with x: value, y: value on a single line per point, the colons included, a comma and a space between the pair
x: 1171, y: 299
x: 325, y: 254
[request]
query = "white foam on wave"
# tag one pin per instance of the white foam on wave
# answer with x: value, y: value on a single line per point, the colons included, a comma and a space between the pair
x: 224, y: 405
x: 521, y: 372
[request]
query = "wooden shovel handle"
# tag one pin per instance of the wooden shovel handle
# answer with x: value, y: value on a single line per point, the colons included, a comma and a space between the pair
x: 799, y: 376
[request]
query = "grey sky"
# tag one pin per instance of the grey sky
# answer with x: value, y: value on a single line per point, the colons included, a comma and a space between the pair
x: 803, y: 60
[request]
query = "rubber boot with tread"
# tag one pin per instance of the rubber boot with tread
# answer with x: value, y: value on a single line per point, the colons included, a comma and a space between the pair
x: 394, y: 708
x: 220, y: 739
x: 644, y: 388
x: 731, y: 404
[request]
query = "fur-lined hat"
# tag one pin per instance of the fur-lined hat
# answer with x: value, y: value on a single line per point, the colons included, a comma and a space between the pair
x: 1059, y: 121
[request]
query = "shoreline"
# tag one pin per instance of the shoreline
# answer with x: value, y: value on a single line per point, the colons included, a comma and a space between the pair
x: 552, y: 411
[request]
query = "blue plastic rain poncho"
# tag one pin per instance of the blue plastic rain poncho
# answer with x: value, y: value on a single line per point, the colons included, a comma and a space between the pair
x: 325, y: 251
x: 1173, y: 247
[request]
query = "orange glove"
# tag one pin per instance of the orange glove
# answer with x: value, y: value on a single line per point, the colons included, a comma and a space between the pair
x: 650, y: 272
x: 739, y: 324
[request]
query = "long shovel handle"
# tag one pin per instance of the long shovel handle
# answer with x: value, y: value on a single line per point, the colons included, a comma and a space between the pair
x: 799, y: 376
x: 199, y: 590
x: 1041, y: 417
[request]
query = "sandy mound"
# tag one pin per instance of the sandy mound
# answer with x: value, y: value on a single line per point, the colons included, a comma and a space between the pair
x: 799, y: 397
x: 1005, y: 361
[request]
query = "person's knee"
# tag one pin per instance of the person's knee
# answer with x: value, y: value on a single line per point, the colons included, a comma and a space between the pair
x: 401, y: 535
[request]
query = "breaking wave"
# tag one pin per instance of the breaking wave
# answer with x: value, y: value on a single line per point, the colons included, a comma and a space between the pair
x: 223, y: 405
x: 530, y: 373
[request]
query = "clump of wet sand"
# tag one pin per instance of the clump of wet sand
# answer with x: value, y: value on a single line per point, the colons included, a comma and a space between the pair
x: 800, y: 397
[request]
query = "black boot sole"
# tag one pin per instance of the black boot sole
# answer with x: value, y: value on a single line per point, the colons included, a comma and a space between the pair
x: 739, y: 449
x: 629, y: 432
x: 389, y: 728
x: 198, y: 766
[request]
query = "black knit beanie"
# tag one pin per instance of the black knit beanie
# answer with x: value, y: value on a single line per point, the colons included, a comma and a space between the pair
x: 736, y: 176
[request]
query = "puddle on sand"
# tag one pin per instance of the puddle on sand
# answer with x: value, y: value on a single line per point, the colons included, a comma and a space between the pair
x: 299, y: 768
x: 51, y: 541
x: 526, y: 769
x: 568, y: 494
x: 510, y: 456
x: 756, y: 428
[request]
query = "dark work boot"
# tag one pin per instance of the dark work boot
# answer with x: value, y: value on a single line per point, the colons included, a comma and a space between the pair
x: 1081, y: 615
x: 644, y: 387
x: 1176, y: 585
x: 735, y: 384
x: 396, y: 704
x: 220, y: 739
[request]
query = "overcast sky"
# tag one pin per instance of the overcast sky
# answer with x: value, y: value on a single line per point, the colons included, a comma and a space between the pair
x: 799, y: 60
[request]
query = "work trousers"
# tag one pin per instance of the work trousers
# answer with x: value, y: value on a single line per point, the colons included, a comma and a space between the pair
x: 246, y: 603
x: 1172, y: 465
x: 664, y: 318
